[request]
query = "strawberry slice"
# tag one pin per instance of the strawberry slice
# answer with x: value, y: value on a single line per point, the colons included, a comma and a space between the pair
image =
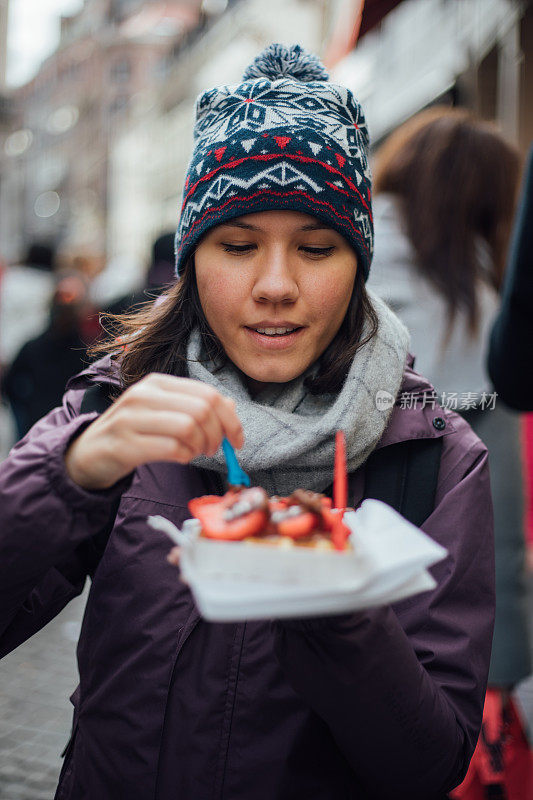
x: 219, y: 521
x: 198, y: 502
x: 297, y: 527
x: 214, y: 526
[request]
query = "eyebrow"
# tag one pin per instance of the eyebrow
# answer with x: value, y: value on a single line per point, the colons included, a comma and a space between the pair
x: 235, y: 223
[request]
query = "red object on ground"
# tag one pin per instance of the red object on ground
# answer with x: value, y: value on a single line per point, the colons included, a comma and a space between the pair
x: 502, y: 761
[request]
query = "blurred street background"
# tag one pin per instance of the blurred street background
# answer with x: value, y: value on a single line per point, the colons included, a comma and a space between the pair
x: 96, y: 113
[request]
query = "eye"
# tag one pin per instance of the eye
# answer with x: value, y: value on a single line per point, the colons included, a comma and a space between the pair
x: 237, y: 248
x: 318, y: 252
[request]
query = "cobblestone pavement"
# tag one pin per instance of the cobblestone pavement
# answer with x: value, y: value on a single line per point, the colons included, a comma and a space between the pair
x: 36, y: 681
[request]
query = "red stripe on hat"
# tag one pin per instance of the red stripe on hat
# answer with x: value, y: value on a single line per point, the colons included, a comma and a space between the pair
x: 338, y: 188
x: 312, y: 199
x: 270, y: 157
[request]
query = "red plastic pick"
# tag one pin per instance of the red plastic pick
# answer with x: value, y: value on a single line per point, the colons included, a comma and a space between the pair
x: 340, y: 532
x: 340, y: 478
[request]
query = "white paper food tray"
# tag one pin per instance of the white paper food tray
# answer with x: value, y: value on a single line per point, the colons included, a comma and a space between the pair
x: 234, y: 581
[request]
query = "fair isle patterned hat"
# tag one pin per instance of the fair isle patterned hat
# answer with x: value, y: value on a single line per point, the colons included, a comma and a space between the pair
x: 284, y: 138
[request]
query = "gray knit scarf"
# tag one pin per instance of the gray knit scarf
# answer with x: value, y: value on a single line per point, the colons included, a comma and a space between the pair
x: 289, y: 433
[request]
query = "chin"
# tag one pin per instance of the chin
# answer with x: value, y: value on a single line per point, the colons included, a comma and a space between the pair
x: 273, y: 376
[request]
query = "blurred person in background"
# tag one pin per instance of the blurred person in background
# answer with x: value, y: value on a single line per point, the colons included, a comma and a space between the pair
x: 160, y: 275
x: 446, y: 186
x: 161, y: 271
x: 25, y: 293
x: 510, y: 362
x: 35, y: 381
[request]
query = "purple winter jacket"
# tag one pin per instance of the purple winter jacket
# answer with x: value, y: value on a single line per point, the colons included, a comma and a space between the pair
x: 379, y: 704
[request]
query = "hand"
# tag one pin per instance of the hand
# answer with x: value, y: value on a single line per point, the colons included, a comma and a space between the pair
x: 160, y: 418
x: 174, y: 557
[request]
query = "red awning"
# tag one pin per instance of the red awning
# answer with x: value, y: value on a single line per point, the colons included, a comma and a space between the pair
x: 373, y: 12
x: 351, y: 25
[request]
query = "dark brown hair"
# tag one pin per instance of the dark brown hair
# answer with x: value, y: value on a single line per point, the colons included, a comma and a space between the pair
x: 153, y: 338
x: 457, y: 181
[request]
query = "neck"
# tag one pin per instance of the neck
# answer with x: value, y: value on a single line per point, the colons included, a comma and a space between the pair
x: 254, y: 387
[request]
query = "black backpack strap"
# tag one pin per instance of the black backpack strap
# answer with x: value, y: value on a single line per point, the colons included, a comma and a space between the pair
x: 405, y: 476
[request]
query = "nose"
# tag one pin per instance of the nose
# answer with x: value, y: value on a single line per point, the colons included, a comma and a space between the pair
x: 275, y: 281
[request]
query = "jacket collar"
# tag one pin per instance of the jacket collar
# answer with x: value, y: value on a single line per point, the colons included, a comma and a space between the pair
x: 416, y: 413
x: 103, y: 371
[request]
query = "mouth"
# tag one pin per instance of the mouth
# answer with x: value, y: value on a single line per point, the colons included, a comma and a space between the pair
x: 278, y: 331
x: 275, y: 337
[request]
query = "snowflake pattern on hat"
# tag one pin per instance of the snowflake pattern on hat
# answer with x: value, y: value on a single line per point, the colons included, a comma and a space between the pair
x: 262, y: 105
x: 279, y: 143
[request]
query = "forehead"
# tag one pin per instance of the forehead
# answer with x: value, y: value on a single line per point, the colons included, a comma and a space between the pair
x: 276, y: 221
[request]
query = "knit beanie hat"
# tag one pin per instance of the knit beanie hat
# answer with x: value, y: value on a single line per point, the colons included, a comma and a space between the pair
x: 284, y: 138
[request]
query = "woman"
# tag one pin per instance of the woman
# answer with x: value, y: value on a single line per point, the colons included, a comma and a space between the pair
x: 509, y: 361
x: 270, y: 339
x: 445, y: 186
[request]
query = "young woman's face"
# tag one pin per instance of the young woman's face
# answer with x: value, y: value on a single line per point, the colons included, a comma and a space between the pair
x: 274, y: 287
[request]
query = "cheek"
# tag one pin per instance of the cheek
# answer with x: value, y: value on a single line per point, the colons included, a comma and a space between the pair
x: 330, y: 298
x: 218, y: 294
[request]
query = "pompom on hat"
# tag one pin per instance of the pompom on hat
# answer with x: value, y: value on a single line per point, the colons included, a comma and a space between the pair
x: 284, y: 138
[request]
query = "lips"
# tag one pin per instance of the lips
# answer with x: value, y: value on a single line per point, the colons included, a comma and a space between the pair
x: 274, y: 337
x: 281, y: 331
x: 274, y: 328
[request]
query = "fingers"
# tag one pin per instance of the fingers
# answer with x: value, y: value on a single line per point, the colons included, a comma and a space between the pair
x: 209, y: 403
x: 175, y: 425
x: 174, y: 557
x: 211, y: 415
x: 145, y: 449
x: 204, y: 422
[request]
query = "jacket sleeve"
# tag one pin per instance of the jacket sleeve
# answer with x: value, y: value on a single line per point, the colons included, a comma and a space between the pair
x: 509, y: 361
x: 401, y: 688
x: 44, y: 517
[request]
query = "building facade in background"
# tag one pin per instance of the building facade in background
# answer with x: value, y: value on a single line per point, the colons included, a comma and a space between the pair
x: 54, y: 162
x: 149, y: 157
x: 473, y: 53
x: 95, y: 147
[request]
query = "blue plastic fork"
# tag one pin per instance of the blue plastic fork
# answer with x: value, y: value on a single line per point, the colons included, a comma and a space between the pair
x: 236, y: 475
